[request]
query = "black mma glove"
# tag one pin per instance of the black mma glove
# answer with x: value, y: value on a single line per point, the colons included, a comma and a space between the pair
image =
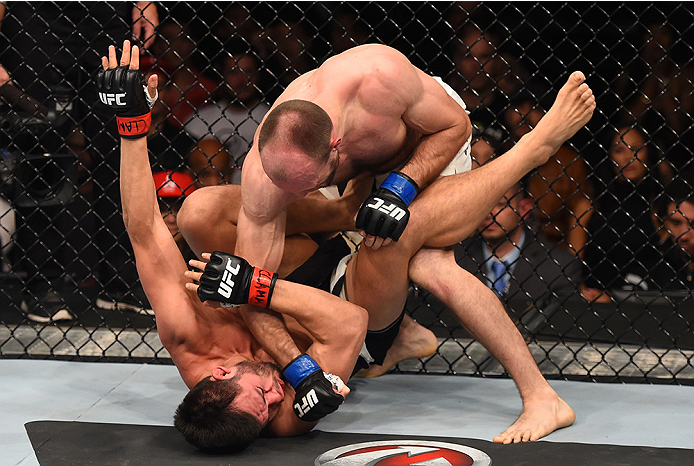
x: 384, y: 213
x: 315, y: 397
x: 231, y: 280
x: 123, y: 91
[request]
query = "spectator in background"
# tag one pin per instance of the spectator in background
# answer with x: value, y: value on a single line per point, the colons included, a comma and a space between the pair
x: 237, y: 108
x: 169, y: 146
x: 238, y: 22
x: 348, y: 29
x: 172, y: 188
x: 211, y: 164
x: 519, y: 265
x: 621, y: 252
x: 676, y: 271
x: 45, y: 51
x: 183, y: 86
x: 484, y: 79
x: 288, y: 47
x: 657, y: 90
x: 560, y: 187
x: 485, y: 144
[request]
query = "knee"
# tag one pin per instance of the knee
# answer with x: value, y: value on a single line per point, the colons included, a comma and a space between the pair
x: 194, y: 211
x: 433, y: 268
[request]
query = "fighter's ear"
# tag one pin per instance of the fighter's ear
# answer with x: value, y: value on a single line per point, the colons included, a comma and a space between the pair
x: 222, y: 373
x: 335, y: 142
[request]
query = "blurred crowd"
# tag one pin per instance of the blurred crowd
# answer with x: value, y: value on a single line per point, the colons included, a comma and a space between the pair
x: 612, y: 214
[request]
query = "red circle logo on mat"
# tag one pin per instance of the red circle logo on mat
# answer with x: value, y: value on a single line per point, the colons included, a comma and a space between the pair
x: 403, y: 453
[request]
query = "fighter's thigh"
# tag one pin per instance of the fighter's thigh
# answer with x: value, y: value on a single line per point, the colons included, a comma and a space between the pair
x: 379, y: 284
x: 208, y: 217
x: 224, y: 201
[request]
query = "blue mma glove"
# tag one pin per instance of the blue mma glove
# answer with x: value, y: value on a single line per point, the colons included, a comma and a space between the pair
x: 384, y: 213
x: 315, y: 397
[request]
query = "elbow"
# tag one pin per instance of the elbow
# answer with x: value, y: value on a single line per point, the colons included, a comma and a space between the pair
x: 138, y: 228
x: 354, y: 325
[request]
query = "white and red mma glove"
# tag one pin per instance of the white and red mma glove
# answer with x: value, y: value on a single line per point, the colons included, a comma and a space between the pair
x: 232, y: 281
x: 123, y: 90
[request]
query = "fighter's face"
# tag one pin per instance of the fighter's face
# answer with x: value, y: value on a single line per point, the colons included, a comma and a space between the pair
x: 680, y: 224
x: 262, y: 390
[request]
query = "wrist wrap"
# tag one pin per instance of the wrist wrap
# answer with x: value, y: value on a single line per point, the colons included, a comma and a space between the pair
x: 134, y: 127
x: 402, y: 185
x: 261, y: 287
x: 301, y: 367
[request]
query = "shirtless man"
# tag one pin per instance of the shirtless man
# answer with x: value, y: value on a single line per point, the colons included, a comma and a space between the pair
x: 264, y: 211
x: 204, y: 343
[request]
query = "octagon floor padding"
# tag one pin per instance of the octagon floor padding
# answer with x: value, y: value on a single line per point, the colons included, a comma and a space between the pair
x: 123, y: 415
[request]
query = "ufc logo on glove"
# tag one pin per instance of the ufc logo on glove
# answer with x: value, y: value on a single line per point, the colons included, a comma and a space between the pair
x: 308, y: 401
x: 394, y: 211
x: 110, y: 98
x: 226, y: 286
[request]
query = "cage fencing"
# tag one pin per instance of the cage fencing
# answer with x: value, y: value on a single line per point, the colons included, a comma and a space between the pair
x: 600, y: 283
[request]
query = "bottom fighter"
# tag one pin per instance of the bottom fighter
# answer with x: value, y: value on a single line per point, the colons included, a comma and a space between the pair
x: 233, y: 378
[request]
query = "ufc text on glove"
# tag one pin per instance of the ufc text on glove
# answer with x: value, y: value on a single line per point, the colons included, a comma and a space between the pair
x: 231, y: 280
x: 123, y: 90
x: 315, y: 397
x: 384, y: 213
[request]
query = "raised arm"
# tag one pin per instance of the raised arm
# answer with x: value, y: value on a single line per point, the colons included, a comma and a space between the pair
x: 160, y: 264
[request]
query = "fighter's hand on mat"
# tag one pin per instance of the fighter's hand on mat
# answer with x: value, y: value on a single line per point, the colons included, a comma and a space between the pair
x: 122, y: 88
x: 231, y: 281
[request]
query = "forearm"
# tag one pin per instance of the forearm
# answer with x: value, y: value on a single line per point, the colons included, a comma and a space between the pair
x: 138, y: 196
x: 268, y: 327
x: 317, y: 214
x: 262, y: 245
x: 329, y: 319
x: 433, y: 153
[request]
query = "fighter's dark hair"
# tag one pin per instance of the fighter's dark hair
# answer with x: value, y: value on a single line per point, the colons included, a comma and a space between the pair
x: 207, y: 420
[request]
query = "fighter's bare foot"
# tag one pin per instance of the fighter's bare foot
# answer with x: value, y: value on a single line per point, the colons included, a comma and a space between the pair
x: 572, y: 109
x: 413, y: 341
x: 541, y: 416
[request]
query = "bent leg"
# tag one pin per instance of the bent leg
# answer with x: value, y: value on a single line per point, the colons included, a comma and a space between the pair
x: 450, y: 209
x: 208, y: 218
x: 483, y: 315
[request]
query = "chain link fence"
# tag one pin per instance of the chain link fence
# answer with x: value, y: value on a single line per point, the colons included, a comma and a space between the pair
x: 600, y: 284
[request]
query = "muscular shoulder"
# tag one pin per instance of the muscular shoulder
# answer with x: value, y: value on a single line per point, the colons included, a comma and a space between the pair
x: 259, y: 196
x: 375, y: 73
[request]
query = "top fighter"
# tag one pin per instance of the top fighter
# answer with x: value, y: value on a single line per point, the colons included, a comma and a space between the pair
x: 369, y: 110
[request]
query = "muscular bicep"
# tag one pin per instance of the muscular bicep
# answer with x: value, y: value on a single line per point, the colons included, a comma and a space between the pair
x: 431, y: 110
x: 160, y: 267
